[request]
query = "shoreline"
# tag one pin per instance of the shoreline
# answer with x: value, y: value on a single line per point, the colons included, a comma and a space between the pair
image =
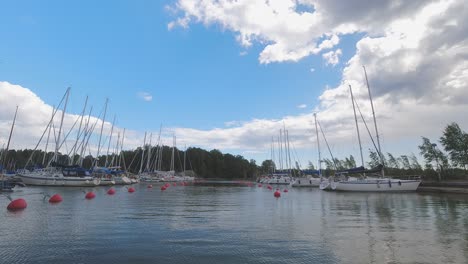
x: 459, y: 187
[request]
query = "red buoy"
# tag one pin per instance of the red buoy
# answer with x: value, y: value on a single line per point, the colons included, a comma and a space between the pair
x: 150, y: 186
x: 163, y: 188
x: 277, y: 194
x: 269, y: 187
x: 111, y: 191
x: 56, y: 198
x: 90, y: 195
x: 16, y: 205
x: 285, y: 190
x: 174, y: 184
x: 131, y: 189
x: 167, y: 184
x: 260, y: 185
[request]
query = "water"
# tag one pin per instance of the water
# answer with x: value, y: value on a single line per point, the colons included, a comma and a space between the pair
x: 206, y: 224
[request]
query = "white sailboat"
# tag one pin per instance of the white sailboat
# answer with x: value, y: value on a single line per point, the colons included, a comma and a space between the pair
x: 56, y: 175
x: 310, y: 181
x: 374, y: 184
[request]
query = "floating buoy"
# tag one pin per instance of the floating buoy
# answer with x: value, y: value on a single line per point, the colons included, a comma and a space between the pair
x: 131, y: 189
x: 90, y: 195
x: 269, y: 187
x: 285, y: 190
x: 150, y: 186
x: 163, y: 188
x: 174, y: 184
x: 111, y: 191
x: 277, y: 194
x: 167, y: 185
x: 56, y: 198
x: 16, y: 205
x: 260, y: 186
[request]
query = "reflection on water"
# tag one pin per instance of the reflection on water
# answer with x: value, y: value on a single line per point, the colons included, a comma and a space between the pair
x: 208, y: 224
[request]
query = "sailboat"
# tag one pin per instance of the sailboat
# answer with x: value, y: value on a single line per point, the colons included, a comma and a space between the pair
x: 55, y: 174
x: 283, y: 174
x: 310, y: 181
x: 7, y: 182
x: 365, y: 182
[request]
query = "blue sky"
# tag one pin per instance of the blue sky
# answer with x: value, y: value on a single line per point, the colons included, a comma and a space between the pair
x: 116, y: 49
x: 248, y: 61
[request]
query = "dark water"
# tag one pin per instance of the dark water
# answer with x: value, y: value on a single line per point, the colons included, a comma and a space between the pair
x: 206, y: 224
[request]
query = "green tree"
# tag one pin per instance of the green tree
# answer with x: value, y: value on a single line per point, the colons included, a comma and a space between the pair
x: 414, y: 163
x: 431, y: 154
x: 374, y: 159
x: 268, y: 166
x: 392, y: 161
x: 405, y: 162
x: 310, y: 166
x: 455, y: 142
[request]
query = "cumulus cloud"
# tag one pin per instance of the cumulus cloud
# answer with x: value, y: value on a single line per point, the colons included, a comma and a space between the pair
x: 332, y: 57
x: 145, y: 96
x: 415, y: 53
x: 289, y: 29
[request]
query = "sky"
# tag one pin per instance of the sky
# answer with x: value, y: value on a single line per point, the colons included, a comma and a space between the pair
x: 229, y: 75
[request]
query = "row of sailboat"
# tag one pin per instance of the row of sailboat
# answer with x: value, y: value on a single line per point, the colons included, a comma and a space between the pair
x: 355, y: 179
x: 56, y: 171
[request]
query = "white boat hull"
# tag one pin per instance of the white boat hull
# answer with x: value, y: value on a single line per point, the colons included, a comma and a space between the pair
x: 383, y: 185
x: 306, y: 182
x: 122, y: 180
x: 58, y: 180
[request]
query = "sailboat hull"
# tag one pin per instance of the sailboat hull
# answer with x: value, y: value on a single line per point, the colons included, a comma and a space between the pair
x: 44, y: 180
x: 306, y: 182
x: 384, y: 185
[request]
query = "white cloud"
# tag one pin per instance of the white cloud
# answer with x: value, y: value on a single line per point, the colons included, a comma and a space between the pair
x: 312, y: 69
x: 416, y: 54
x: 145, y: 96
x: 302, y: 106
x: 332, y: 57
x: 290, y: 30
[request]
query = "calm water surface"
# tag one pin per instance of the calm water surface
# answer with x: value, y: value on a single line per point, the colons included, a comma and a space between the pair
x: 203, y: 224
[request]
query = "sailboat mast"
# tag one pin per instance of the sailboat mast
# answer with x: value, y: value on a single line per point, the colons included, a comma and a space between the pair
x: 373, y: 111
x: 110, y: 140
x: 173, y: 149
x: 9, y: 137
x: 57, y: 142
x: 375, y: 121
x: 100, y: 135
x: 87, y: 132
x: 289, y: 150
x: 185, y: 155
x: 75, y: 148
x: 149, y: 153
x: 318, y: 147
x: 48, y: 137
x: 142, y: 154
x: 120, y: 152
x: 357, y: 127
